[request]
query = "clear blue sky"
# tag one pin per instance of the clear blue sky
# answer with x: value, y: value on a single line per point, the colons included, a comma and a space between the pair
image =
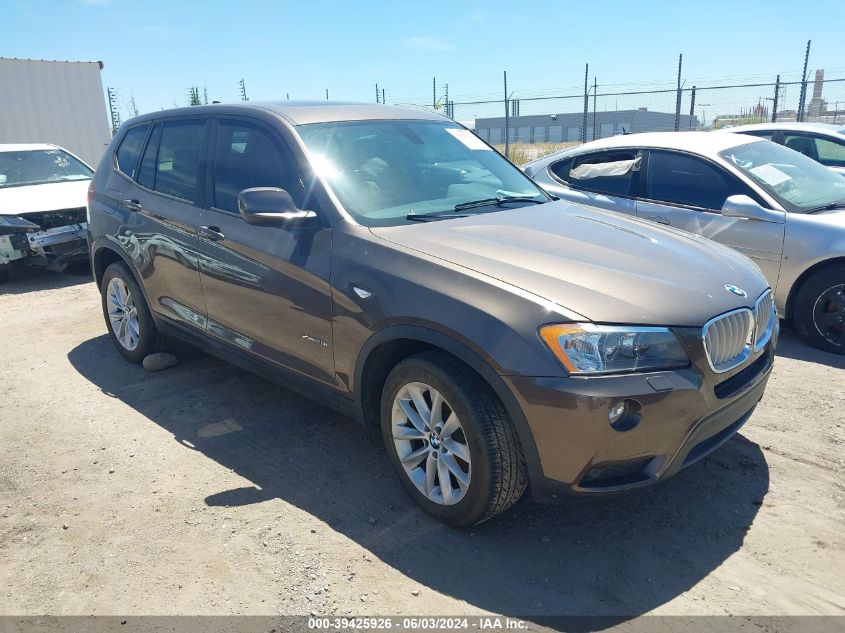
x: 156, y: 50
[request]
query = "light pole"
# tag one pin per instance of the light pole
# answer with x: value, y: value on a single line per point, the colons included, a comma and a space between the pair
x: 704, y: 114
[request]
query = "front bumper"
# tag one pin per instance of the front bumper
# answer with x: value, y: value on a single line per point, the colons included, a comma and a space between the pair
x: 56, y: 246
x: 686, y: 414
x: 57, y: 235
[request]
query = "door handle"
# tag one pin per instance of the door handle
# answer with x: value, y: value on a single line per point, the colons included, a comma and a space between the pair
x: 132, y: 205
x: 211, y: 232
x: 660, y: 219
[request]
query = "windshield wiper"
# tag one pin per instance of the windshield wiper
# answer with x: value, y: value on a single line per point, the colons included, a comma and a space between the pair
x: 827, y: 207
x: 425, y: 217
x: 498, y: 200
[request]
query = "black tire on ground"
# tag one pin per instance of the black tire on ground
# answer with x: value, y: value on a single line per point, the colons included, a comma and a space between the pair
x: 499, y: 475
x: 4, y: 274
x: 808, y: 296
x: 150, y: 340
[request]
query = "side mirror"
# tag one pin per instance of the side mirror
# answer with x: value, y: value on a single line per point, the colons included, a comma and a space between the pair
x: 742, y: 207
x: 270, y: 205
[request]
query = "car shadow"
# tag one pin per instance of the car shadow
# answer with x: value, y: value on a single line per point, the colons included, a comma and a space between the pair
x: 32, y: 279
x: 790, y: 346
x: 617, y: 556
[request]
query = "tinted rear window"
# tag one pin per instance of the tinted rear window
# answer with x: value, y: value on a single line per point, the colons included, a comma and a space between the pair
x: 177, y: 170
x: 130, y: 148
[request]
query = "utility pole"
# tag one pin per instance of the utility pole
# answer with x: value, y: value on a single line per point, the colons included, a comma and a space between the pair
x: 382, y: 96
x: 113, y: 111
x: 377, y: 93
x: 327, y: 94
x: 507, y: 118
x: 775, y: 100
x: 803, y: 96
x: 434, y: 92
x: 595, y: 97
x: 586, y: 104
x: 691, y: 107
x: 243, y: 90
x: 678, y: 96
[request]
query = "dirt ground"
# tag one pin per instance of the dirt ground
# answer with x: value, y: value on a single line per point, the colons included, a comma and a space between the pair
x: 207, y: 490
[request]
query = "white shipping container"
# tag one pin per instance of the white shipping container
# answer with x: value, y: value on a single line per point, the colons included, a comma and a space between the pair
x: 54, y: 102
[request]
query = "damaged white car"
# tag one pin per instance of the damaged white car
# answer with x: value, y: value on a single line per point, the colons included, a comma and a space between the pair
x: 43, y: 196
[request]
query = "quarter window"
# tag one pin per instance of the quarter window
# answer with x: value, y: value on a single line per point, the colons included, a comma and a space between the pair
x: 688, y: 181
x: 130, y: 148
x: 177, y: 168
x: 247, y: 157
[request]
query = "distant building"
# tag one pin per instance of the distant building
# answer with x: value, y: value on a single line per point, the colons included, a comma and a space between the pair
x: 557, y: 128
x: 54, y: 102
x: 817, y: 104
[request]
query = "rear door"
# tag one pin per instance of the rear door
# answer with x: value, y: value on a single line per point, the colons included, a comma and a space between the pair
x: 687, y: 192
x: 165, y: 198
x: 266, y: 287
x: 606, y: 179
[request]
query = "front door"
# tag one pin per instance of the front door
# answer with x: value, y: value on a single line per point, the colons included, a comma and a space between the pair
x: 266, y: 288
x: 688, y: 192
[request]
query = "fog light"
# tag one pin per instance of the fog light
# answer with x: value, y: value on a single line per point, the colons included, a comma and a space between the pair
x: 624, y: 415
x: 617, y: 411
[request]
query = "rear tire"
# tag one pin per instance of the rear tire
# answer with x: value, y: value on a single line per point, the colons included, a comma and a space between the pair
x: 128, y: 318
x: 819, y: 311
x: 495, y: 466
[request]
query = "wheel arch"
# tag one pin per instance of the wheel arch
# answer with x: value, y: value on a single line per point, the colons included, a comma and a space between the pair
x: 387, y: 347
x: 104, y: 253
x: 812, y: 270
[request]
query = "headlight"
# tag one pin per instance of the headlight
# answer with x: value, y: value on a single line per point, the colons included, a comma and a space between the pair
x: 585, y: 348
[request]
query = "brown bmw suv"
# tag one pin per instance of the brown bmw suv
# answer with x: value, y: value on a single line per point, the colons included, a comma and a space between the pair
x: 390, y: 263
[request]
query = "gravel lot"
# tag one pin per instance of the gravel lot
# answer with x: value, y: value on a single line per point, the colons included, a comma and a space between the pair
x: 207, y: 490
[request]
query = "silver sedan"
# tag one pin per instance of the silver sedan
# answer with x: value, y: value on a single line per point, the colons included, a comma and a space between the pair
x: 823, y: 142
x: 783, y: 210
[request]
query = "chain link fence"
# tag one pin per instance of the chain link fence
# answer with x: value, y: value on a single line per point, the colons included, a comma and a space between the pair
x: 553, y: 121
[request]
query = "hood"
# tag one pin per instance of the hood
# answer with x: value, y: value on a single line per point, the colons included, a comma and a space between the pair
x: 51, y: 196
x: 605, y: 266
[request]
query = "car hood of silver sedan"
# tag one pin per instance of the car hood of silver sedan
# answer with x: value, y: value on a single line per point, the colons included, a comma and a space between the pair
x: 605, y: 266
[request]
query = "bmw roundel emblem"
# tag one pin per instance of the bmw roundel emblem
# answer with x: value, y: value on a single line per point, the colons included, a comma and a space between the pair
x: 739, y: 292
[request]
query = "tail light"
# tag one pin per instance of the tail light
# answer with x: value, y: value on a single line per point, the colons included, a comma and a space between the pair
x: 91, y: 192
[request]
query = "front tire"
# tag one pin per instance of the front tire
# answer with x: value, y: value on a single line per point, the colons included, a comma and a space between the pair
x: 128, y: 318
x: 819, y: 311
x: 451, y: 440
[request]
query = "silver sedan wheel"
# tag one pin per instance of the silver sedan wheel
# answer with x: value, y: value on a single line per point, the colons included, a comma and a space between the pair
x: 123, y: 314
x: 431, y: 444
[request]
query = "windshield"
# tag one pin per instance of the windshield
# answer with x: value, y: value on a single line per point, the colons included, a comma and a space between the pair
x: 798, y: 183
x: 37, y: 167
x: 384, y: 171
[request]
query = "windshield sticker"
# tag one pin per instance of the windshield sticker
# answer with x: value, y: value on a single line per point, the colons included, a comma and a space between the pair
x: 468, y: 138
x: 769, y: 174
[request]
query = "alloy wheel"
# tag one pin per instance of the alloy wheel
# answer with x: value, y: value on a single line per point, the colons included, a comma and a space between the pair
x: 431, y: 444
x: 829, y: 314
x: 123, y: 314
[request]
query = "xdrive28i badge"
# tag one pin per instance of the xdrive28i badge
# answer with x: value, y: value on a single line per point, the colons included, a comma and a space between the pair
x: 739, y: 292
